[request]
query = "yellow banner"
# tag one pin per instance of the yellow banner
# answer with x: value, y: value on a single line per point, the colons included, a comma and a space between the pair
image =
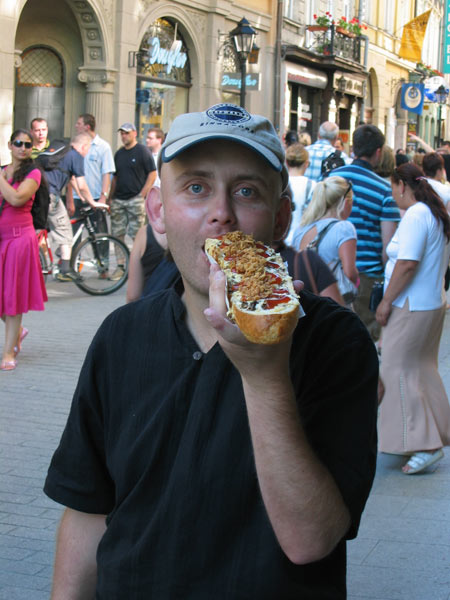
x: 412, y: 37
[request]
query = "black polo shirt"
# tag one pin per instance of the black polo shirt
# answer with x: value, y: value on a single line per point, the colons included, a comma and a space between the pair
x: 158, y: 440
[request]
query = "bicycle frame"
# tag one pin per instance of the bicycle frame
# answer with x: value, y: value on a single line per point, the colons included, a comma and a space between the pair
x: 86, y: 223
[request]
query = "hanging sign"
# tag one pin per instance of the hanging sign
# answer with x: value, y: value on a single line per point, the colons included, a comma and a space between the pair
x: 412, y: 97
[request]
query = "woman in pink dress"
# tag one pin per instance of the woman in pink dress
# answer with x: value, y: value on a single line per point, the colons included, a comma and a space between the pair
x: 22, y: 286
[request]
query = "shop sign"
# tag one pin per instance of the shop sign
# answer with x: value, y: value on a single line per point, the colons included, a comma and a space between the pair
x: 232, y: 81
x: 162, y: 56
x: 352, y: 86
x: 306, y: 76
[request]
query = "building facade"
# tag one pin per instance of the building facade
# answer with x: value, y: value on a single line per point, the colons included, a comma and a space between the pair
x: 143, y: 61
x: 147, y: 61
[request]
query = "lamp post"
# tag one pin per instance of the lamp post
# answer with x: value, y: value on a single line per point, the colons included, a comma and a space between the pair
x: 441, y: 98
x: 243, y: 37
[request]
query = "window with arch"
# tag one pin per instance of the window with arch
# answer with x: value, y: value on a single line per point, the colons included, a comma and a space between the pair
x: 40, y: 67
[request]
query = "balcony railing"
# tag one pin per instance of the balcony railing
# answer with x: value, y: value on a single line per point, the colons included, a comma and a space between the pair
x: 333, y: 42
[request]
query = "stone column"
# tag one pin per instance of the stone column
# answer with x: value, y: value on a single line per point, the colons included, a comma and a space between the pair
x: 99, y: 98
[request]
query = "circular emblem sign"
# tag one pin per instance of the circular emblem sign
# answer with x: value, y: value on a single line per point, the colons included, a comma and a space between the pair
x: 413, y: 97
x: 228, y: 113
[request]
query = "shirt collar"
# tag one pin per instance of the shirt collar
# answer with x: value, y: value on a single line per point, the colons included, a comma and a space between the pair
x: 362, y: 163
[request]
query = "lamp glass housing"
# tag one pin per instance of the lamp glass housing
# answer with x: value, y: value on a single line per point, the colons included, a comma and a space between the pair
x: 243, y: 37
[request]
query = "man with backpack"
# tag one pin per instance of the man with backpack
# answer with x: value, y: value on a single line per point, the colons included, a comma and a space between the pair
x: 322, y: 150
x: 59, y: 163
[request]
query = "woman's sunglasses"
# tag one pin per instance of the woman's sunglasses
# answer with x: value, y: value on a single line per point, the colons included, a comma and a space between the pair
x: 19, y: 144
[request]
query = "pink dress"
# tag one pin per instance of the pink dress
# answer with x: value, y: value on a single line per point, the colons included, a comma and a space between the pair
x: 22, y: 286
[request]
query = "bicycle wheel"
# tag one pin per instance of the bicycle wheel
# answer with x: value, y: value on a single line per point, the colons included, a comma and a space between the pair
x: 101, y: 263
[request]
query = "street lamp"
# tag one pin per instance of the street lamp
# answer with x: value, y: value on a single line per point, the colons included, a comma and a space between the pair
x: 441, y: 98
x: 243, y: 37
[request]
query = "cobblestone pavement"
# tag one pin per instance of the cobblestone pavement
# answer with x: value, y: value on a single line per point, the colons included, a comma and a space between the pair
x: 403, y: 548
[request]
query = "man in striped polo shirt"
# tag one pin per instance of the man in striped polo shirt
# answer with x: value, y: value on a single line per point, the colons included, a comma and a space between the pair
x: 375, y: 216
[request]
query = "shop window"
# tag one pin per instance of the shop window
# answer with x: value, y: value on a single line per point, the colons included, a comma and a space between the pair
x: 163, y: 77
x: 40, y: 67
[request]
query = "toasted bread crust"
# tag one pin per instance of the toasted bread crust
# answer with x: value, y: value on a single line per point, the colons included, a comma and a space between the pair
x: 266, y: 328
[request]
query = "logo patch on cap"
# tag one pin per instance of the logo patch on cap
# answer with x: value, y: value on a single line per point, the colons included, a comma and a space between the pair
x: 228, y: 113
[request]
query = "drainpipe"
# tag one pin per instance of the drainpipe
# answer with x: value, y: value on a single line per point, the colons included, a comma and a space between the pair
x: 277, y: 78
x: 366, y: 60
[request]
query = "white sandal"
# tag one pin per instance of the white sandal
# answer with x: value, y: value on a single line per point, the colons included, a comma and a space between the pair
x: 421, y: 460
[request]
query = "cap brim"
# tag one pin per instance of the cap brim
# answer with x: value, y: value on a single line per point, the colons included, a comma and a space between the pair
x: 177, y: 147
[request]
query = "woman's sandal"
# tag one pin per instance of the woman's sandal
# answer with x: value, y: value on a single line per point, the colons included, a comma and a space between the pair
x: 421, y: 460
x: 23, y: 335
x: 8, y: 365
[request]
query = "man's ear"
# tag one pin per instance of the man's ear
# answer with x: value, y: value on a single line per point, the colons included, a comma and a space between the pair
x: 155, y: 209
x: 282, y: 218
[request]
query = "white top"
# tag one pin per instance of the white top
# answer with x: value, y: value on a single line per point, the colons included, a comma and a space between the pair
x: 329, y: 245
x: 157, y: 180
x: 442, y: 190
x: 299, y: 184
x: 420, y: 237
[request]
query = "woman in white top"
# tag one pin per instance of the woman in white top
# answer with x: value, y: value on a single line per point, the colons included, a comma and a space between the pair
x: 297, y: 160
x: 415, y: 413
x: 329, y: 209
x: 434, y: 169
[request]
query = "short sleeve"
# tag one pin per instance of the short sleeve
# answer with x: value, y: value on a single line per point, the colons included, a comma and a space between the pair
x: 149, y: 162
x: 345, y: 231
x: 108, y: 165
x: 389, y: 209
x: 412, y: 236
x: 36, y: 175
x: 77, y: 166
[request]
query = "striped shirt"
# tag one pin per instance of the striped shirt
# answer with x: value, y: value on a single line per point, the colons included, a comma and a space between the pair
x: 372, y: 204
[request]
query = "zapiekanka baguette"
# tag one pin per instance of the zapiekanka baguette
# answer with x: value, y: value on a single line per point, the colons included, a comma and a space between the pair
x: 261, y: 298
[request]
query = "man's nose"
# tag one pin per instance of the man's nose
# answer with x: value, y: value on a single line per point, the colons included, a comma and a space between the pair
x: 221, y: 210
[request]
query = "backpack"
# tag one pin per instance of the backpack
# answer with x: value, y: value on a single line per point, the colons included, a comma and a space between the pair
x: 46, y: 161
x: 49, y: 159
x: 41, y: 204
x: 331, y: 162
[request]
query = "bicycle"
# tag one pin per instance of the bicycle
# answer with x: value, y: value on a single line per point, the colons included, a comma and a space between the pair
x: 100, y: 260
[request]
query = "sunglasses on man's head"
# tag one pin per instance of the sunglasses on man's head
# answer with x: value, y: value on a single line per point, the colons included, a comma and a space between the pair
x: 19, y: 144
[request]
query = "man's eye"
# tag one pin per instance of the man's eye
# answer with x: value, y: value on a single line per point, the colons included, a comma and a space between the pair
x: 196, y: 188
x: 246, y: 192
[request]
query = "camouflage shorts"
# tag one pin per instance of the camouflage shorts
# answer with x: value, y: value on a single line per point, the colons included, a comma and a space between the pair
x: 127, y: 216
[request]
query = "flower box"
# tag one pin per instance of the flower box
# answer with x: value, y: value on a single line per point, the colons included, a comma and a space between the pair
x: 345, y: 32
x: 317, y: 28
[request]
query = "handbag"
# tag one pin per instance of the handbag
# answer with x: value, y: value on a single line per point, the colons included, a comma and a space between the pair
x: 302, y: 255
x: 376, y: 295
x: 348, y: 289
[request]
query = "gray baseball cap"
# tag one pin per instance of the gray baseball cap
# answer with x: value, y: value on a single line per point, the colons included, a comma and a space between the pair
x: 127, y: 127
x: 225, y: 122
